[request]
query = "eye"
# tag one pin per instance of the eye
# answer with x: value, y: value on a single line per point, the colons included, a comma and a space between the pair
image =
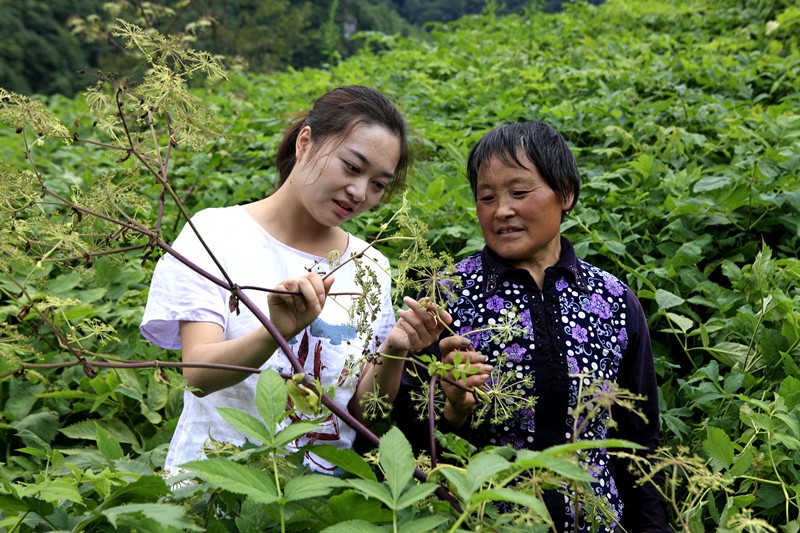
x: 350, y: 167
x: 519, y: 194
x: 486, y: 198
x: 380, y: 185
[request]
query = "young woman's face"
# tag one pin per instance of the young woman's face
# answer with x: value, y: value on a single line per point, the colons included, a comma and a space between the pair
x: 519, y: 213
x: 342, y: 178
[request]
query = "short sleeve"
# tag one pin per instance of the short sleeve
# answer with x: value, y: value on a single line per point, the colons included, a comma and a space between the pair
x: 178, y: 293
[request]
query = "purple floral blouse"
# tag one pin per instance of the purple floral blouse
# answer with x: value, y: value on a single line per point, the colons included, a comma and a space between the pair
x: 583, y: 329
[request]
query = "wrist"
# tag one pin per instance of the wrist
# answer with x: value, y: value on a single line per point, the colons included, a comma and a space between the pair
x: 456, y: 416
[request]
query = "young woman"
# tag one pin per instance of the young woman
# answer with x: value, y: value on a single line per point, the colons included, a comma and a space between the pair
x: 580, y: 326
x: 342, y: 158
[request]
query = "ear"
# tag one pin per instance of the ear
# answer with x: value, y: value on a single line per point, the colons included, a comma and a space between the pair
x: 566, y: 204
x: 302, y: 146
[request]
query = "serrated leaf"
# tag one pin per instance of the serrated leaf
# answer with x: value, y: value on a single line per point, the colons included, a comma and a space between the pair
x: 346, y: 459
x: 666, y: 299
x: 107, y: 445
x: 144, y: 489
x: 311, y: 486
x: 271, y: 397
x: 683, y: 323
x: 247, y: 424
x: 514, y: 496
x: 482, y: 467
x: 53, y: 490
x: 87, y: 429
x: 353, y: 526
x: 373, y: 489
x: 742, y: 462
x: 236, y: 478
x: 414, y: 494
x: 422, y: 525
x: 168, y: 515
x: 294, y: 431
x: 350, y: 505
x: 396, y: 460
x: 719, y: 447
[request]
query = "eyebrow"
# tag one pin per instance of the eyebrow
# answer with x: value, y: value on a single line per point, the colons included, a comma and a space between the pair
x: 511, y: 183
x: 361, y: 157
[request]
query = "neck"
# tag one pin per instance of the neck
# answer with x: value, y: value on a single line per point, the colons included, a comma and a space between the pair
x: 538, y: 264
x: 288, y: 222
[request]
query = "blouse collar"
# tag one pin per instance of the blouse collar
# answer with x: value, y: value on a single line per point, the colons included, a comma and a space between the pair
x: 496, y: 269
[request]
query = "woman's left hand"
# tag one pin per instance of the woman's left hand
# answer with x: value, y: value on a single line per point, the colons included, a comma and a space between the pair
x: 417, y: 327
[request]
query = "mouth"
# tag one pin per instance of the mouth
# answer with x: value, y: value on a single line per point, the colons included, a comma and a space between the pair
x: 508, y: 231
x: 345, y: 206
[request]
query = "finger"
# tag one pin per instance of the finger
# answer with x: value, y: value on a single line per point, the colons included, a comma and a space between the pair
x: 309, y: 294
x: 456, y: 342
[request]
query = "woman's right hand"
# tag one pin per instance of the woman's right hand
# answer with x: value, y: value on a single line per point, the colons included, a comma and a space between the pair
x: 292, y: 313
x: 461, y: 402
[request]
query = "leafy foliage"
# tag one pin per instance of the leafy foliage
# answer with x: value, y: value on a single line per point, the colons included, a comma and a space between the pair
x: 683, y: 117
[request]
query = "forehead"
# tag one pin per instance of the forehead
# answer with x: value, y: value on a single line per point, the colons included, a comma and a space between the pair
x: 504, y: 169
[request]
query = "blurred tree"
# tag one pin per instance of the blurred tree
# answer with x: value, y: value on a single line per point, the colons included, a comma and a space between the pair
x: 37, y: 52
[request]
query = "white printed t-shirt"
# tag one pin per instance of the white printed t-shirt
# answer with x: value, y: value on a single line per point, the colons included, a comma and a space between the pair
x: 252, y: 257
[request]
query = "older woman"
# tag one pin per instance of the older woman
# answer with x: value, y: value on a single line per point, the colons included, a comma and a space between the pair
x: 581, y: 326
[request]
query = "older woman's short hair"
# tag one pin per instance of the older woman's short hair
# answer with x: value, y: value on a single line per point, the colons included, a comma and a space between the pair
x: 540, y: 144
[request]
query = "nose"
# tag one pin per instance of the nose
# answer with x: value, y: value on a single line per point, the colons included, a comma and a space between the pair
x: 357, y: 189
x: 505, y: 208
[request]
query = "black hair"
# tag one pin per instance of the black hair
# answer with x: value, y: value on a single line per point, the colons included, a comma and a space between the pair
x: 536, y: 141
x: 335, y: 114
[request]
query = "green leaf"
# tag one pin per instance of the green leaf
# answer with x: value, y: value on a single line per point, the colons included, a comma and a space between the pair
x: 346, y: 459
x: 53, y: 490
x: 107, y: 445
x: 790, y: 392
x: 719, y: 448
x: 666, y: 299
x: 373, y: 489
x: 350, y: 505
x: 165, y: 514
x: 396, y: 460
x: 144, y: 489
x: 414, y: 494
x: 87, y: 429
x: 353, y: 526
x: 271, y: 397
x: 422, y: 525
x: 742, y: 462
x: 730, y: 353
x: 10, y: 504
x: 236, y: 478
x: 311, y: 486
x: 514, y: 496
x: 482, y: 467
x: 247, y: 424
x: 294, y: 431
x: 711, y: 183
x: 683, y: 323
x: 457, y: 478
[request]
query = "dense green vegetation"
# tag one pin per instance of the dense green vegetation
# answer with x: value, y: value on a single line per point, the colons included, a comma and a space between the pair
x: 55, y: 40
x: 684, y: 119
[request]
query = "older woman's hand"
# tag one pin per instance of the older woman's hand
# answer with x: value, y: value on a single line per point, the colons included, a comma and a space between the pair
x: 461, y: 402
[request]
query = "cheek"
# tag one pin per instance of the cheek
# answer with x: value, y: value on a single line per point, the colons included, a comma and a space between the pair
x: 484, y: 217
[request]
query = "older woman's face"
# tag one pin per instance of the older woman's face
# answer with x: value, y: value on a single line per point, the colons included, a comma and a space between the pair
x: 520, y: 215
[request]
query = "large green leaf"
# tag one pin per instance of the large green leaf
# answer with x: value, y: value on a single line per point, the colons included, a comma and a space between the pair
x: 236, y: 478
x: 311, y: 486
x: 167, y: 515
x: 397, y: 461
x: 271, y: 397
x: 247, y: 424
x: 346, y: 459
x: 719, y: 447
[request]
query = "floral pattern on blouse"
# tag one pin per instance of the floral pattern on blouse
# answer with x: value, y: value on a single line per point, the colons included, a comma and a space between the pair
x: 587, y: 324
